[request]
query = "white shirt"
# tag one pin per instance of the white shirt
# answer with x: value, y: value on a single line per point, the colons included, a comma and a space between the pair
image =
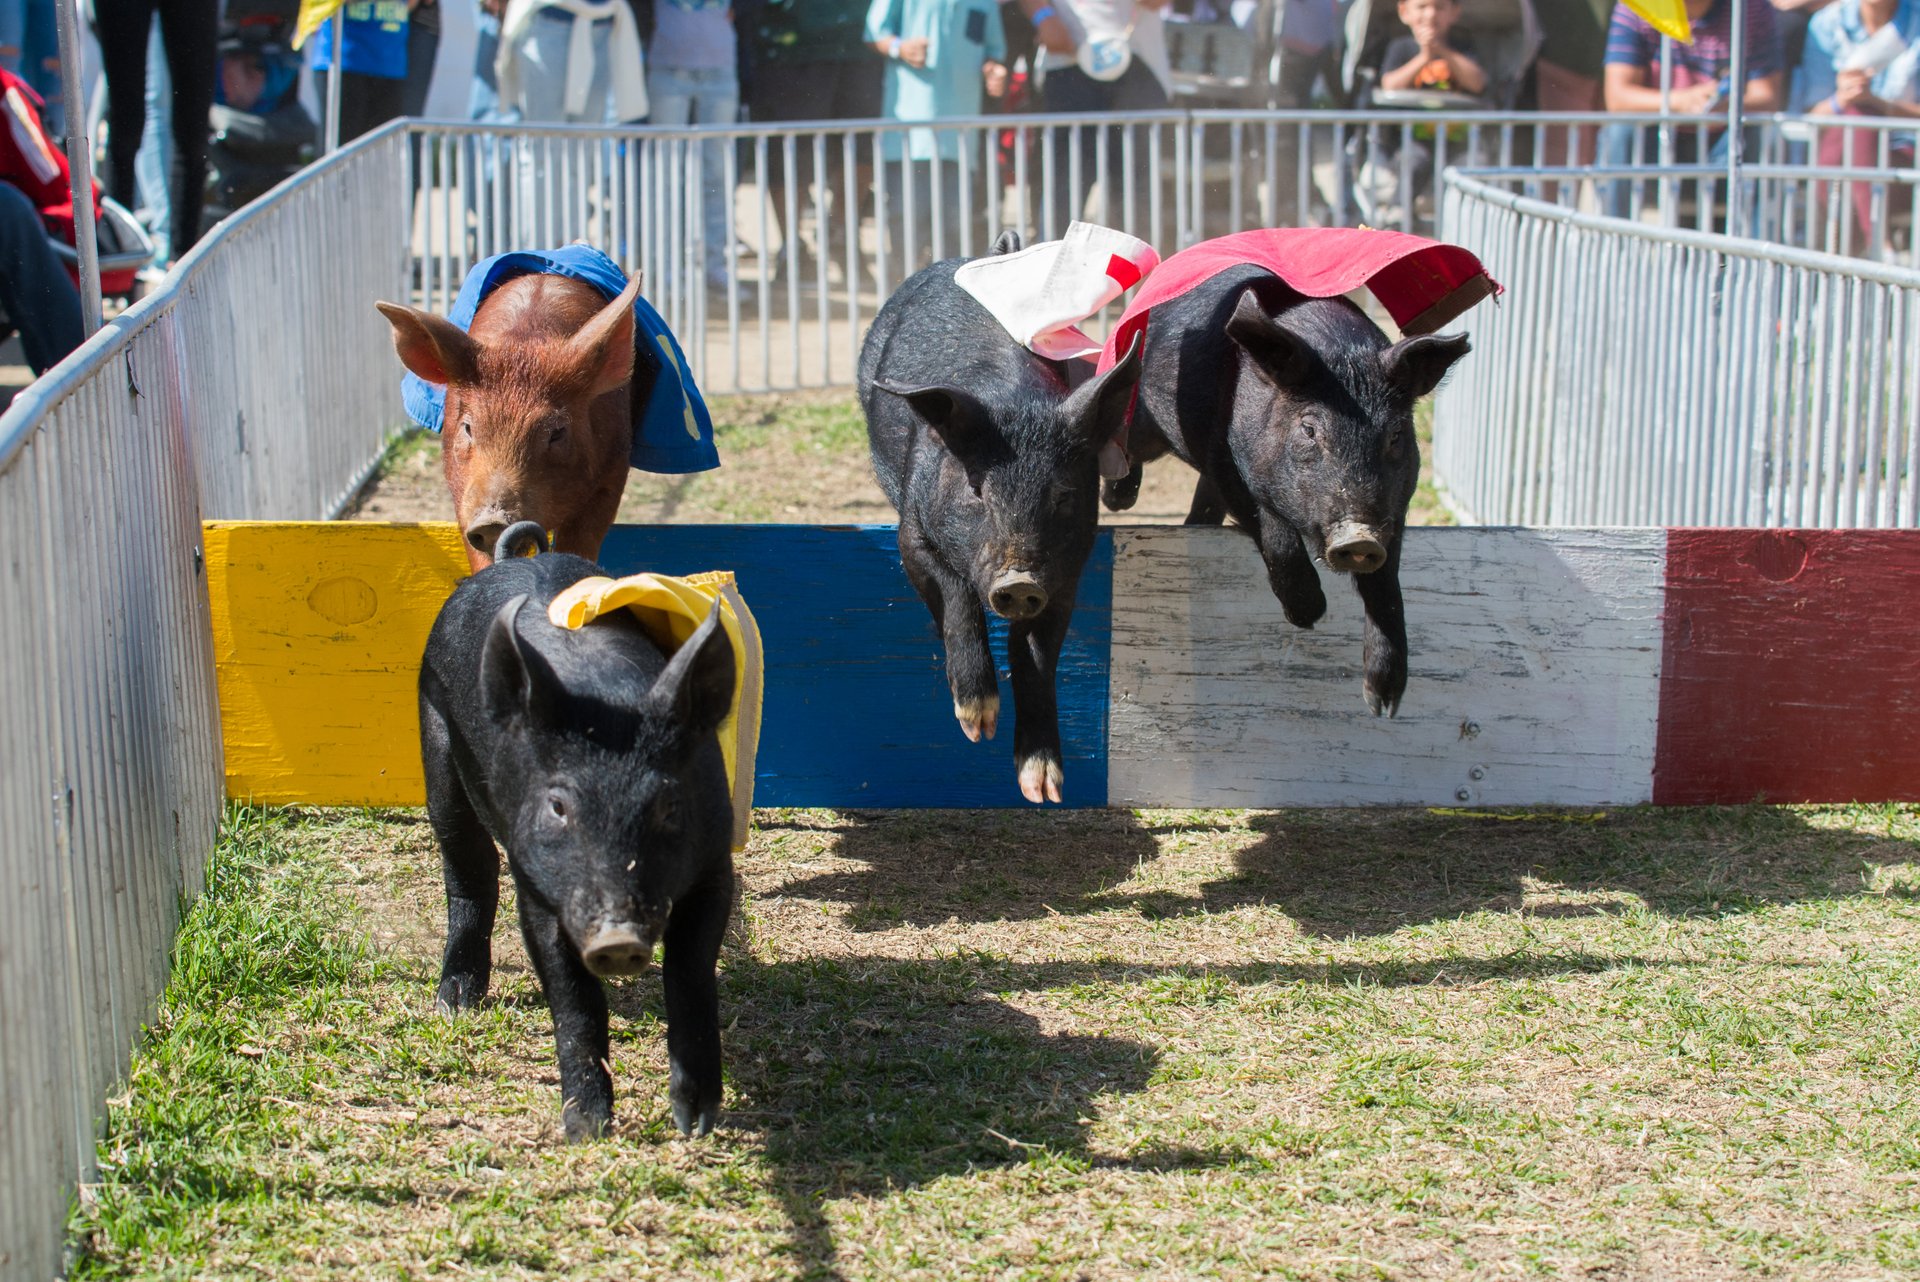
x: 1104, y: 18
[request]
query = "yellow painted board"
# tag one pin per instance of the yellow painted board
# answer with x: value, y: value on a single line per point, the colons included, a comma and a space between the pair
x: 318, y: 629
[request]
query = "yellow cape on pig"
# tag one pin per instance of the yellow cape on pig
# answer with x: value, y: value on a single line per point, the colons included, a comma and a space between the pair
x: 670, y: 608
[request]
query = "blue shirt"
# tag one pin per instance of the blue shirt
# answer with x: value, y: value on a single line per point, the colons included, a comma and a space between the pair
x: 962, y: 36
x: 690, y: 35
x: 672, y: 431
x: 1835, y: 31
x: 374, y: 34
x: 1632, y: 42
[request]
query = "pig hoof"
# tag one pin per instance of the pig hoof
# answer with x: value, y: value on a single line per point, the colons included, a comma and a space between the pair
x: 1040, y: 778
x: 458, y: 993
x: 582, y: 1127
x: 1378, y: 705
x: 694, y: 1121
x: 978, y: 718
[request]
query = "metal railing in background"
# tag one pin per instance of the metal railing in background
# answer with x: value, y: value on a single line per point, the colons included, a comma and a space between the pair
x: 255, y: 383
x: 1644, y: 375
x: 768, y: 249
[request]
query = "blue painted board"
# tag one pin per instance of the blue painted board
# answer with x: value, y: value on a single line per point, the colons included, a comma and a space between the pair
x: 857, y: 708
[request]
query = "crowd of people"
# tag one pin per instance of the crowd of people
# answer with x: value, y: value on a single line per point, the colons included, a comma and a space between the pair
x: 202, y: 102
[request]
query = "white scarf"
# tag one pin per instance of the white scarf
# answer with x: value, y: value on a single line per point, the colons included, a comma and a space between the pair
x: 623, y: 55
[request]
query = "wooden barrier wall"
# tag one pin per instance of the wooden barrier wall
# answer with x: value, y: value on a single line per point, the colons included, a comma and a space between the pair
x: 1549, y: 667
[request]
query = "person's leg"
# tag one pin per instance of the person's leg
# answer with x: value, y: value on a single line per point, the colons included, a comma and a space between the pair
x: 483, y: 95
x: 423, y: 46
x: 1292, y: 91
x: 35, y: 289
x: 542, y: 57
x: 1849, y: 148
x: 600, y: 107
x: 716, y: 101
x: 1616, y: 150
x: 670, y: 93
x: 189, y: 29
x: 1068, y: 89
x: 1559, y: 89
x: 154, y: 163
x: 40, y: 64
x: 670, y: 106
x: 121, y: 27
x: 1138, y: 90
x: 13, y: 34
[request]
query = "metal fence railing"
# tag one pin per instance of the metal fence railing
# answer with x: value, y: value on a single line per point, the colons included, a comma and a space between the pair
x: 1645, y: 375
x: 769, y: 248
x: 240, y: 389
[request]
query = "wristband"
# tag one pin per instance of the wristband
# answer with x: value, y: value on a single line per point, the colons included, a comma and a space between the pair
x: 893, y: 47
x: 1041, y: 15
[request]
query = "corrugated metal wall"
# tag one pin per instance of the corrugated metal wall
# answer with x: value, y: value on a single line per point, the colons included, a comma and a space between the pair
x: 110, y: 758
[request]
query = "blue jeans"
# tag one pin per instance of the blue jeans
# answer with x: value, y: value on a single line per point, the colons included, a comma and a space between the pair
x: 543, y: 69
x: 1616, y: 149
x: 702, y: 96
x: 483, y: 97
x: 154, y: 161
x: 35, y: 290
x: 32, y: 52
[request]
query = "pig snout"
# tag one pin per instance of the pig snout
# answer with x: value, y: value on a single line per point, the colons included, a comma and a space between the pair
x: 1353, y: 548
x: 486, y: 527
x: 612, y: 948
x: 1016, y: 595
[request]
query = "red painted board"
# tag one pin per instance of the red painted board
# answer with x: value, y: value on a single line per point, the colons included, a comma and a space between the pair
x: 1790, y: 667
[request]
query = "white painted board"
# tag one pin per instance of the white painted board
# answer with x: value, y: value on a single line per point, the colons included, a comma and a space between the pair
x: 1533, y: 678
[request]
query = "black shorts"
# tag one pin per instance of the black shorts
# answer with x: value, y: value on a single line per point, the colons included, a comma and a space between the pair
x: 845, y: 89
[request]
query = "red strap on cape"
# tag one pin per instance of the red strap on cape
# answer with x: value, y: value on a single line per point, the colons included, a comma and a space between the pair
x: 1422, y: 283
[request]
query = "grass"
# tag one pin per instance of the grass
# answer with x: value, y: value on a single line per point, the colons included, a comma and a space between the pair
x: 792, y: 457
x: 1393, y: 1044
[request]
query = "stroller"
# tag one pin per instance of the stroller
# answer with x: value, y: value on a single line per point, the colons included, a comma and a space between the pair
x: 30, y: 161
x: 1384, y: 161
x: 260, y: 134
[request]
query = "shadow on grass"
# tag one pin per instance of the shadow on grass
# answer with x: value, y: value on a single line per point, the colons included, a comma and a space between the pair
x: 865, y: 1075
x: 926, y: 866
x: 869, y: 1075
x: 1341, y: 872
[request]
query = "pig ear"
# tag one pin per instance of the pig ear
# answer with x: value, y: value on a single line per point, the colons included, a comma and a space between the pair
x: 515, y: 682
x: 1099, y: 404
x: 1418, y: 364
x: 949, y: 411
x: 432, y: 346
x: 696, y: 688
x: 1278, y: 353
x: 602, y: 352
x: 1008, y: 243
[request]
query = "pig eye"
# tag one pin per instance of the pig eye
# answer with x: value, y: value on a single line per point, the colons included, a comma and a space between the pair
x: 556, y: 435
x: 557, y: 807
x: 1307, y: 427
x: 466, y: 428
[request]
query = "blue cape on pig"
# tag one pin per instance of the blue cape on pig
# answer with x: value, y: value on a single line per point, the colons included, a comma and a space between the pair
x: 672, y: 431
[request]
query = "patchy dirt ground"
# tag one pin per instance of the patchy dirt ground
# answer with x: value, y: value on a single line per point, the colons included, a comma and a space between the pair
x: 1633, y: 1044
x: 793, y: 458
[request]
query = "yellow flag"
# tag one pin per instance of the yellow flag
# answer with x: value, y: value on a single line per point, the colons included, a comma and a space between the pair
x: 314, y: 15
x: 1668, y: 17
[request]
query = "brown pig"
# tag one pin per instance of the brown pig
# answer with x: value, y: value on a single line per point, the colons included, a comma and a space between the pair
x: 537, y: 424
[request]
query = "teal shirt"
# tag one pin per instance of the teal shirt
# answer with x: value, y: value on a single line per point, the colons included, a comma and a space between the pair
x: 962, y: 36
